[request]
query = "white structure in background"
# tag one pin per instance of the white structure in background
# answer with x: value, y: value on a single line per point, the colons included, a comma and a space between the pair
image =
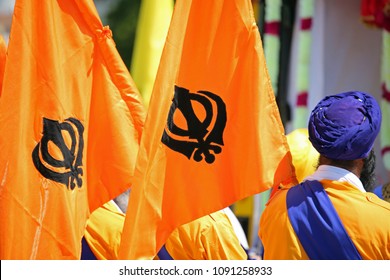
x: 345, y: 55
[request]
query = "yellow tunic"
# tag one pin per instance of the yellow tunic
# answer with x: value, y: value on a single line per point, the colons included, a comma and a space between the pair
x: 208, y: 238
x: 365, y: 217
x: 104, y: 230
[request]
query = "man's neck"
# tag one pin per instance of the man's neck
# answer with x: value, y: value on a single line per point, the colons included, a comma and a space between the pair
x: 334, y: 173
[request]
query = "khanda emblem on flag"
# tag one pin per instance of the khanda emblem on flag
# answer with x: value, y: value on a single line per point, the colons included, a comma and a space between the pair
x: 197, y: 129
x: 58, y: 157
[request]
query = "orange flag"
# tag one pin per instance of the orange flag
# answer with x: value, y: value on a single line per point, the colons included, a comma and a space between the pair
x: 70, y: 124
x: 213, y: 134
x: 3, y: 51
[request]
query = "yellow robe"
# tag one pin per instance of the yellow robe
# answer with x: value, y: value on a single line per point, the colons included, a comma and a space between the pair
x: 208, y: 238
x: 104, y: 230
x: 366, y: 219
x: 211, y: 237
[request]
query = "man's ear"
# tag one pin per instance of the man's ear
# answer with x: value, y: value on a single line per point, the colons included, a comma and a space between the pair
x: 359, y: 165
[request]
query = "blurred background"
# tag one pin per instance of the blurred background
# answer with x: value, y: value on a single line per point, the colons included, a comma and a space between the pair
x: 313, y: 48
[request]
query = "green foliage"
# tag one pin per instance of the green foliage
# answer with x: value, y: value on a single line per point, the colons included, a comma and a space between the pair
x: 122, y: 20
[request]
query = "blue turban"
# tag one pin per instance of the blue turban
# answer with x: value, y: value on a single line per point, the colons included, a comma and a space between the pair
x: 344, y: 126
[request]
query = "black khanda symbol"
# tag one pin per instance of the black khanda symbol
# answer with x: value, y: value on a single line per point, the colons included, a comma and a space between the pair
x: 202, y: 138
x: 66, y: 170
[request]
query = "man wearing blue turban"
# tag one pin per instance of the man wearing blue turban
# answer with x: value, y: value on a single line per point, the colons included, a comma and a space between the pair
x: 330, y: 215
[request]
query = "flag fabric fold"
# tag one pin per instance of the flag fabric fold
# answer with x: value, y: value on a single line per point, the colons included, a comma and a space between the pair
x: 213, y: 134
x: 70, y: 123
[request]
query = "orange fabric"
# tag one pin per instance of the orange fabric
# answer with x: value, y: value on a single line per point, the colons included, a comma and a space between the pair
x: 64, y: 78
x: 211, y: 46
x: 3, y: 50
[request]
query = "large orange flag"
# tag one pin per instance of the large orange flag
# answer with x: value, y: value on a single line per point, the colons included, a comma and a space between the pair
x: 3, y: 51
x: 213, y: 134
x: 70, y: 123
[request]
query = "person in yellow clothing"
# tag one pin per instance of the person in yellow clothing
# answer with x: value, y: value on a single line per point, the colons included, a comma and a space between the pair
x: 211, y: 237
x: 305, y: 160
x: 304, y: 156
x: 103, y: 232
x: 330, y: 215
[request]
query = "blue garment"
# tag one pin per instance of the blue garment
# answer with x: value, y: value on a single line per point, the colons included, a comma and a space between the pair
x: 163, y: 254
x: 86, y: 252
x: 378, y: 191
